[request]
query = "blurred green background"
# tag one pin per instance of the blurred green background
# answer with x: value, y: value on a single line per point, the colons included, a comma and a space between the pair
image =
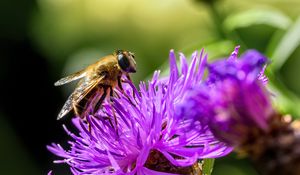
x: 44, y: 40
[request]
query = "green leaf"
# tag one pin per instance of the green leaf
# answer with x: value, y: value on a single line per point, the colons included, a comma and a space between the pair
x: 272, y: 45
x: 286, y: 46
x: 248, y: 18
x: 285, y: 101
x: 207, y: 166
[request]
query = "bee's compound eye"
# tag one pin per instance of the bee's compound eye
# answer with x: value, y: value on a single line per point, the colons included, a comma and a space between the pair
x: 123, y: 62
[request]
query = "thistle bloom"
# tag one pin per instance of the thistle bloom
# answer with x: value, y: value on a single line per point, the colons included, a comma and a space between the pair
x: 233, y: 97
x: 235, y: 104
x: 149, y: 136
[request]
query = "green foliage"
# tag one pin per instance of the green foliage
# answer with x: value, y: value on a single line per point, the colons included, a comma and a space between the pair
x: 286, y: 46
x: 207, y: 167
x: 281, y: 47
x: 251, y: 17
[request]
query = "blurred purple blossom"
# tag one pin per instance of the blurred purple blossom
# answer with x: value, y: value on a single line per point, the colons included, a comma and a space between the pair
x: 151, y: 135
x: 233, y: 97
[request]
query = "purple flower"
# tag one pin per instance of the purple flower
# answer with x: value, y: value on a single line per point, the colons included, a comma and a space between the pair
x: 233, y: 100
x: 148, y: 137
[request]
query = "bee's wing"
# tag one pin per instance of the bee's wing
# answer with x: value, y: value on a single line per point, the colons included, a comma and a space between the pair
x: 72, y: 77
x: 80, y: 92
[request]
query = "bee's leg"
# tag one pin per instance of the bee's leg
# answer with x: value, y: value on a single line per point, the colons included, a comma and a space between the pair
x: 111, y: 91
x: 128, y: 77
x: 77, y: 113
x: 120, y: 84
x: 90, y: 109
x: 109, y: 120
x: 113, y: 111
x: 100, y: 101
x: 102, y: 98
x: 89, y: 127
x: 77, y: 110
x: 122, y: 90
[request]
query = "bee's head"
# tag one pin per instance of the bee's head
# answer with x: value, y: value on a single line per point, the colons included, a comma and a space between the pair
x: 126, y: 61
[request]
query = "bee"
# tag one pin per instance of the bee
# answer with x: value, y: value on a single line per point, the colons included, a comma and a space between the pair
x: 97, y: 82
